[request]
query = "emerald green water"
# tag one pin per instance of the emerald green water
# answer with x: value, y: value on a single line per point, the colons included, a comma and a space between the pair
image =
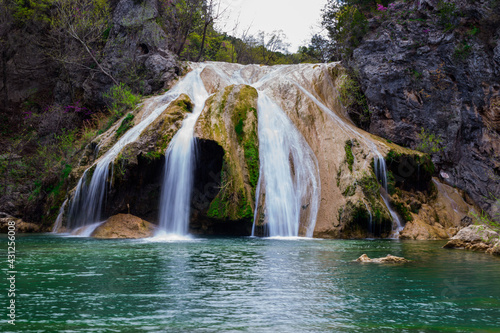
x: 249, y: 285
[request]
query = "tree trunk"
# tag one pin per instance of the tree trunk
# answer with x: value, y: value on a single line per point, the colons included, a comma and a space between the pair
x: 203, y: 41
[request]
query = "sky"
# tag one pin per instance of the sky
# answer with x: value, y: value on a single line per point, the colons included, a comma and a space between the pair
x: 299, y: 20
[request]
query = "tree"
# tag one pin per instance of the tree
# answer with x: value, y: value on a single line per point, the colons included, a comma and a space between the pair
x: 83, y: 21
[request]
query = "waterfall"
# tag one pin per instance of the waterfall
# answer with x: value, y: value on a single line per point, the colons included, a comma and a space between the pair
x: 379, y: 161
x: 58, y: 223
x: 381, y: 173
x: 179, y: 166
x: 289, y: 169
x: 90, y: 194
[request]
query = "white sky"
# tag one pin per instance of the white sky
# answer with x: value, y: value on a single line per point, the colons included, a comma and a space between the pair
x: 299, y: 20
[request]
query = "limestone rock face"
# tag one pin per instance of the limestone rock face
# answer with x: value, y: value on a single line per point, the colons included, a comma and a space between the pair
x: 124, y: 226
x: 476, y: 238
x: 414, y: 77
x: 388, y: 259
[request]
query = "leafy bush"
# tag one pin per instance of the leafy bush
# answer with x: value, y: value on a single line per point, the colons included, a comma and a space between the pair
x: 429, y: 143
x: 447, y: 15
x: 120, y: 98
x: 353, y: 98
x: 462, y: 51
x: 346, y: 26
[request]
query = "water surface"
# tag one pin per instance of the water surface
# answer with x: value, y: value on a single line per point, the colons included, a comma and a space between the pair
x: 250, y: 285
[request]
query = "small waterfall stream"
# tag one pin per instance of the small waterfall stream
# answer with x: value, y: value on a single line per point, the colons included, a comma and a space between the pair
x: 381, y: 173
x: 289, y: 170
x: 59, y: 219
x: 90, y: 195
x: 179, y: 166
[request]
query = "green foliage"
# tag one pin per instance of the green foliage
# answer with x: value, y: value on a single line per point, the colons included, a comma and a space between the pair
x: 490, y: 221
x: 120, y: 98
x: 252, y: 161
x: 125, y: 125
x: 353, y: 98
x: 348, y: 154
x: 447, y: 14
x: 25, y: 11
x: 462, y: 51
x: 429, y: 143
x: 346, y: 25
x: 402, y: 210
x: 370, y: 186
x: 472, y: 32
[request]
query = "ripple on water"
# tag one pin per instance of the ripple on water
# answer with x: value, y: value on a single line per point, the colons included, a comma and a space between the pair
x: 252, y: 284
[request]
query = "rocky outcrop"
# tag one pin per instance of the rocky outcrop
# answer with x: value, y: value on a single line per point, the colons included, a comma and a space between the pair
x: 230, y: 120
x: 419, y: 73
x: 436, y: 216
x: 137, y: 47
x: 20, y: 226
x: 476, y: 238
x: 388, y: 259
x: 124, y: 226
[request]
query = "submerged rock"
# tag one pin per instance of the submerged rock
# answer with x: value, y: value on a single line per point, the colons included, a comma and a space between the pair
x: 124, y: 226
x: 389, y: 259
x: 476, y: 238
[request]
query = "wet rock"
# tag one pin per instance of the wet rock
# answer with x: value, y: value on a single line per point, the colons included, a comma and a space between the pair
x: 388, y: 259
x: 124, y: 226
x: 476, y: 238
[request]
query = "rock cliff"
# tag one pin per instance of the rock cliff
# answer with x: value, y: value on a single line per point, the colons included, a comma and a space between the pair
x: 423, y: 66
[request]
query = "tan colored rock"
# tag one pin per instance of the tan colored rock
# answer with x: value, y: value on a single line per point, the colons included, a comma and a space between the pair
x: 21, y: 226
x: 440, y: 218
x: 124, y: 226
x: 476, y: 238
x: 388, y: 259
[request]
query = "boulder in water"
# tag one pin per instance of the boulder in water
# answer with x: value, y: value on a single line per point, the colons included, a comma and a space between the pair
x: 476, y: 238
x: 388, y: 259
x: 124, y: 226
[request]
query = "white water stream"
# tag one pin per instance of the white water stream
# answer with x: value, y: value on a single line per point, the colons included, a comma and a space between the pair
x: 175, y: 202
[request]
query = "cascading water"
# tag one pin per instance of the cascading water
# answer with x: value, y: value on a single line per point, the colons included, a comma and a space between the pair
x: 90, y: 195
x: 379, y: 161
x: 59, y: 219
x: 289, y: 169
x: 381, y: 173
x: 179, y: 173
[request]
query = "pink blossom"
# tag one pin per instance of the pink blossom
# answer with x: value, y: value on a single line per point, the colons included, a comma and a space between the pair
x: 381, y: 7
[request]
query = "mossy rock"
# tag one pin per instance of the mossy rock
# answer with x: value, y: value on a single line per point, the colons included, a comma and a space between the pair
x: 230, y: 119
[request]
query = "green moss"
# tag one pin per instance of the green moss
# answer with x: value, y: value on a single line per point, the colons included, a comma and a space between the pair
x: 239, y: 128
x: 125, y: 125
x: 185, y: 105
x: 348, y: 154
x: 349, y: 191
x: 370, y: 187
x: 402, y: 210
